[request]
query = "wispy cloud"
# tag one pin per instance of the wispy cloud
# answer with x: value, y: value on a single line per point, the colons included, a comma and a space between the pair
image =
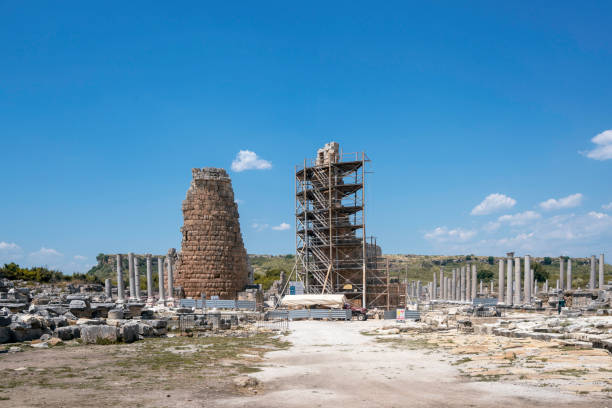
x: 570, y: 201
x: 603, y: 148
x: 248, y: 160
x: 519, y: 218
x: 10, y: 252
x: 80, y: 257
x: 259, y: 227
x: 283, y: 226
x: 9, y: 246
x: 443, y: 234
x: 493, y: 203
x: 607, y: 206
x: 45, y: 255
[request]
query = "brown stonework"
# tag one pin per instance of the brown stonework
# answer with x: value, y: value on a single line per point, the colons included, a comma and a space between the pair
x: 213, y: 259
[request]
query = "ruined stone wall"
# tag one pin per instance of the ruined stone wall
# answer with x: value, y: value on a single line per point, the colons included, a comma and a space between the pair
x: 213, y: 259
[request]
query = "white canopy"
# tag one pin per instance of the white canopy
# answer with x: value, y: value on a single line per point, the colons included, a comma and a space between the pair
x: 330, y: 301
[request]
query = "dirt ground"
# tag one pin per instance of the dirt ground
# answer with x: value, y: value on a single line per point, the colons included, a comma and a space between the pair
x: 335, y: 364
x: 156, y: 372
x: 355, y: 364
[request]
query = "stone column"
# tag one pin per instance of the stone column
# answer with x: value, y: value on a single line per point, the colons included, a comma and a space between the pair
x: 447, y: 288
x: 517, y: 281
x: 500, y: 284
x: 569, y: 274
x: 601, y: 271
x: 528, y: 279
x: 149, y: 279
x: 418, y: 291
x: 546, y: 286
x: 120, y: 291
x: 441, y: 294
x: 480, y: 287
x: 509, y: 297
x: 533, y: 283
x: 136, y: 280
x: 557, y: 285
x: 592, y: 276
x: 170, y: 280
x: 468, y: 283
x: 561, y: 273
x: 131, y: 276
x: 160, y: 278
x: 435, y: 284
x: 108, y: 291
x: 474, y: 279
x: 454, y: 286
x: 492, y: 287
x: 462, y: 284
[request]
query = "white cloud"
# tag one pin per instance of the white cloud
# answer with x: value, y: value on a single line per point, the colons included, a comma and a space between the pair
x: 603, y: 150
x: 248, y: 160
x: 45, y: 256
x: 607, y: 206
x: 9, y: 246
x: 259, y: 227
x: 519, y: 218
x: 283, y: 226
x: 443, y: 234
x: 491, y: 226
x: 80, y: 257
x: 598, y: 215
x: 10, y: 252
x: 492, y: 203
x: 570, y: 201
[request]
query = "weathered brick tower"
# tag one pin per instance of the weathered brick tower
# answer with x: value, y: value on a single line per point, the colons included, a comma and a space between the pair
x: 213, y: 259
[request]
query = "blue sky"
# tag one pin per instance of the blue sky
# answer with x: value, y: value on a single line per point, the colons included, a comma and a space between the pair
x: 105, y: 108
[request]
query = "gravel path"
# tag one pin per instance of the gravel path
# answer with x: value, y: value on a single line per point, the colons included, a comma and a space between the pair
x: 331, y: 364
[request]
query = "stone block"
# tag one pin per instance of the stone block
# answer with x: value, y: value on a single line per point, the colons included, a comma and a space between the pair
x: 99, y: 334
x: 5, y: 334
x: 67, y: 332
x: 129, y: 332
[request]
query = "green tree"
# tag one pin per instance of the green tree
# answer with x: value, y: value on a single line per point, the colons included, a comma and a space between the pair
x: 485, y: 275
x: 547, y: 260
x: 539, y: 273
x: 491, y: 260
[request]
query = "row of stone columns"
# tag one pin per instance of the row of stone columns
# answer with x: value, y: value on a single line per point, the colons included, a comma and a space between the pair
x: 460, y: 286
x: 511, y: 280
x: 565, y: 273
x: 134, y: 280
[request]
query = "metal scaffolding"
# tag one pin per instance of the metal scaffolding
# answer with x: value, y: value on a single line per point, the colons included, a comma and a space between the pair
x: 332, y: 252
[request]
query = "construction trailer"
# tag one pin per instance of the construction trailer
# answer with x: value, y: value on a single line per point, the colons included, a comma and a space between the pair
x: 333, y: 254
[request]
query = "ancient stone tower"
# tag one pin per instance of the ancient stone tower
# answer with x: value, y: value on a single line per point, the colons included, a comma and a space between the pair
x: 213, y: 259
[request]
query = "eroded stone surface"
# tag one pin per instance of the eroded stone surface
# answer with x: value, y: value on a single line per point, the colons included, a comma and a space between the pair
x: 213, y: 259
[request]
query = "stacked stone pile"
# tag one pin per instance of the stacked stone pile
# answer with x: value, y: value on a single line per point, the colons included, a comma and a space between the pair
x: 213, y: 259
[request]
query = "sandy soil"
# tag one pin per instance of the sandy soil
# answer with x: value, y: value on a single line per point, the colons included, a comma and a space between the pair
x: 334, y: 364
x: 156, y: 372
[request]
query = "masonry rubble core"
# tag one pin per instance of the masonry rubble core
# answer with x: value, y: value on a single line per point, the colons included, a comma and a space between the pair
x: 213, y: 259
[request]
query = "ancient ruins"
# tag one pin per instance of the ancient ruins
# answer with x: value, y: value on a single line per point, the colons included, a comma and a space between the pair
x: 506, y: 326
x: 213, y: 260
